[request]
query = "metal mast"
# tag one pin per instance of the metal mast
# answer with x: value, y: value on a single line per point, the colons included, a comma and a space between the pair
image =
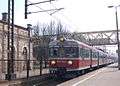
x: 10, y: 44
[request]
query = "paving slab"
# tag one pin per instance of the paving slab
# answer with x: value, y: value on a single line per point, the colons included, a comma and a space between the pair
x: 107, y: 76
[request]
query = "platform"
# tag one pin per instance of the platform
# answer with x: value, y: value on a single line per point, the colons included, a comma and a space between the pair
x: 107, y: 76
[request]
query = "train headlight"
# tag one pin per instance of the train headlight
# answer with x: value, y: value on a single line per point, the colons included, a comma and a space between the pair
x: 61, y: 39
x: 53, y: 62
x: 70, y: 62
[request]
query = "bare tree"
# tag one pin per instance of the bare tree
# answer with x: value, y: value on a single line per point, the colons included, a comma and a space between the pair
x: 51, y: 28
x: 43, y: 34
x: 61, y: 30
x: 36, y: 30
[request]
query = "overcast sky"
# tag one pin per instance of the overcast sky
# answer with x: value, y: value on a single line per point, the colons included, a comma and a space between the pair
x: 77, y: 15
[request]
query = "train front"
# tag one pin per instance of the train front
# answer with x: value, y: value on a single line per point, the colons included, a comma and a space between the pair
x: 63, y: 56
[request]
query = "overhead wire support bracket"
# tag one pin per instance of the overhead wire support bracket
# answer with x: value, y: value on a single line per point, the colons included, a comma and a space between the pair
x: 26, y: 6
x: 45, y: 10
x: 40, y: 2
x: 56, y: 11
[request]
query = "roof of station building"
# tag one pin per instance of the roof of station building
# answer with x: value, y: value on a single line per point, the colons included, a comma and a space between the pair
x: 17, y: 26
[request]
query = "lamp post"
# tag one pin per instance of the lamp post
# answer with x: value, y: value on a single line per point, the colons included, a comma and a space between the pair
x: 28, y: 59
x: 117, y: 33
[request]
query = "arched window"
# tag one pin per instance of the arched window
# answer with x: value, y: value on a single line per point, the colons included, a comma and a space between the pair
x: 25, y: 53
x: 24, y: 50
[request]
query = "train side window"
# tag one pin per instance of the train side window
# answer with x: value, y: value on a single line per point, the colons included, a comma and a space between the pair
x: 100, y: 56
x: 94, y: 54
x: 84, y: 53
x: 81, y: 52
x: 97, y: 54
x: 87, y: 53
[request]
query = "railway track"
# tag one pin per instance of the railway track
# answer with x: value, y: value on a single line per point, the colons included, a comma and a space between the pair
x: 51, y: 82
x: 47, y: 80
x: 44, y: 80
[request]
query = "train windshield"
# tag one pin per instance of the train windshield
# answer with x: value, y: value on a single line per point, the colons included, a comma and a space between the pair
x: 64, y: 52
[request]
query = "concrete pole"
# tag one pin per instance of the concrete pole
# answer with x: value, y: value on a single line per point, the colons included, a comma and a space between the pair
x: 118, y: 44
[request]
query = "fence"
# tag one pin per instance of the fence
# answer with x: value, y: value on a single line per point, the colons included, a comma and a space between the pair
x: 23, y: 68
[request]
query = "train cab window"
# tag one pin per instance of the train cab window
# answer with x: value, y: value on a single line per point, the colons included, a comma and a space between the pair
x: 71, y: 52
x: 68, y: 52
x: 53, y: 52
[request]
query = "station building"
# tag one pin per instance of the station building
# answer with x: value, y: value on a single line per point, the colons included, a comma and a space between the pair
x: 21, y: 46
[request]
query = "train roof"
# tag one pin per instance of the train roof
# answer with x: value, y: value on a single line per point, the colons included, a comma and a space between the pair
x: 69, y: 42
x: 75, y: 43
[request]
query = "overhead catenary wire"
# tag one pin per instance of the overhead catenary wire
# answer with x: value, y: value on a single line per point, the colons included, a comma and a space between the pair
x: 66, y: 17
x: 51, y: 15
x: 45, y: 10
x: 26, y: 5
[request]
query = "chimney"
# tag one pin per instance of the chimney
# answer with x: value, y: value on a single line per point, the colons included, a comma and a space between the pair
x: 5, y: 16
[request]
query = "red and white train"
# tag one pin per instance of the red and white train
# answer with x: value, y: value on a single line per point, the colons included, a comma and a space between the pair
x: 70, y: 56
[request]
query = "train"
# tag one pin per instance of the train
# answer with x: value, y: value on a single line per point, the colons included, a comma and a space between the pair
x: 72, y: 56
